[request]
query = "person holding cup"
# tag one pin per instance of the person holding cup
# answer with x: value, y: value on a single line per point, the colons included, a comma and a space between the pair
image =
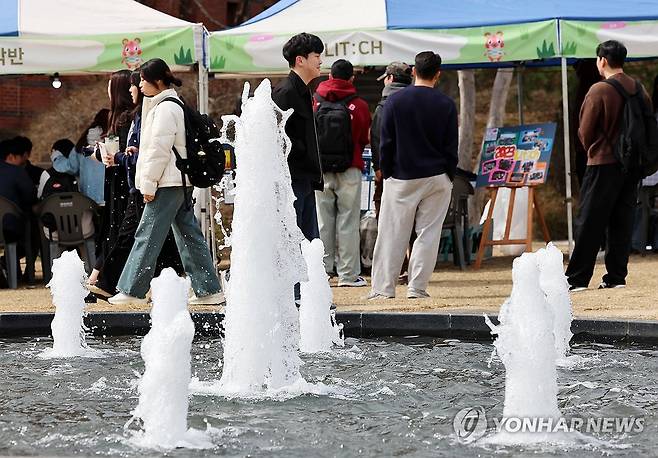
x: 116, y: 183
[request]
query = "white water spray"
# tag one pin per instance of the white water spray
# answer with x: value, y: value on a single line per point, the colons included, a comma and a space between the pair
x: 261, y: 324
x: 555, y: 286
x: 225, y: 193
x: 316, y: 321
x: 526, y: 346
x: 68, y: 290
x: 163, y: 389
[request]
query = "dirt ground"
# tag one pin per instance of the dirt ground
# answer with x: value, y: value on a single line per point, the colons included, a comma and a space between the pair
x: 451, y: 290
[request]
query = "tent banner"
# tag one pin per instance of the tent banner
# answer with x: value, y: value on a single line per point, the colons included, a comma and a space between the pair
x: 580, y: 38
x: 260, y: 53
x: 98, y: 53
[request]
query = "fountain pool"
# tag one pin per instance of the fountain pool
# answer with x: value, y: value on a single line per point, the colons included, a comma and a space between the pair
x: 382, y: 398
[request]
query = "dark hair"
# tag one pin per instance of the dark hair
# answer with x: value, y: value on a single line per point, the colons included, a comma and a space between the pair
x: 403, y: 79
x: 342, y: 69
x: 22, y: 145
x: 100, y: 119
x: 64, y: 146
x: 427, y: 64
x: 121, y: 104
x: 6, y: 148
x: 613, y: 51
x: 158, y: 70
x: 134, y: 81
x: 301, y: 44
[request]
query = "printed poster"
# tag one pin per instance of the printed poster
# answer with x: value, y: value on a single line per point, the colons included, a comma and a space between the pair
x: 516, y: 156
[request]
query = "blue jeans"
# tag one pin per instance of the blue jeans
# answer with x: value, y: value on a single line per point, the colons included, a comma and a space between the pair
x: 168, y: 209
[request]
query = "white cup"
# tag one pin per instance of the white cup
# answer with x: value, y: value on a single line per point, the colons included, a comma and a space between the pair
x: 112, y: 145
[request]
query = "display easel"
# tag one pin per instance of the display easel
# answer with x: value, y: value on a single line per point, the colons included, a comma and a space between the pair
x: 533, y: 203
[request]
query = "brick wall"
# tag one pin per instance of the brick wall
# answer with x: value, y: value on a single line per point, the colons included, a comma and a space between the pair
x: 21, y: 98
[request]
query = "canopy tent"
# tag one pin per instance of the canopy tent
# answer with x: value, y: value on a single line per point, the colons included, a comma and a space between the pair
x: 376, y: 32
x: 97, y: 36
x: 467, y: 33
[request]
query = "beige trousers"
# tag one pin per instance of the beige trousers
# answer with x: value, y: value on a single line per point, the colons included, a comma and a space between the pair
x: 425, y: 201
x: 339, y: 215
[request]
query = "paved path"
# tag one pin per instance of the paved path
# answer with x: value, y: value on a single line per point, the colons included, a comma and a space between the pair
x: 452, y: 291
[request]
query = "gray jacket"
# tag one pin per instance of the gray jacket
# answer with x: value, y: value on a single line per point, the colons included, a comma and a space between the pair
x: 375, y: 127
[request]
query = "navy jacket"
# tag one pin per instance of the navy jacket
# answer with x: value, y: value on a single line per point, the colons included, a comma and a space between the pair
x: 129, y: 162
x: 419, y: 135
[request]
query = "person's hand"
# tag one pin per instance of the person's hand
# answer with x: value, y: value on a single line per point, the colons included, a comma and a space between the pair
x: 54, y: 154
x: 148, y: 198
x: 132, y: 150
x: 378, y: 176
x: 107, y: 156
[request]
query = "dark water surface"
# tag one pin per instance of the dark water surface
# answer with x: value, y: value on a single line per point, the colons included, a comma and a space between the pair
x: 392, y: 397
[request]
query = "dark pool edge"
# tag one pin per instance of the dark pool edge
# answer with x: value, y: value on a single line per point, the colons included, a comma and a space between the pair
x: 356, y: 324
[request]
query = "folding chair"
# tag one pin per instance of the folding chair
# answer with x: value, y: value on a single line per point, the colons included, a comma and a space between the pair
x: 60, y: 220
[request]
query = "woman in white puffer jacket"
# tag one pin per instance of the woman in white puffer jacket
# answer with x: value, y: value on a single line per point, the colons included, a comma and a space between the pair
x: 167, y: 203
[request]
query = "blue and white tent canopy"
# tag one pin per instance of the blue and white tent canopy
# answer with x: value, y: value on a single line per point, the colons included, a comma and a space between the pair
x: 70, y: 36
x: 464, y: 32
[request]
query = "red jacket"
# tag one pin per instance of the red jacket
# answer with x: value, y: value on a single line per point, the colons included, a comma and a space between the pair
x: 337, y: 89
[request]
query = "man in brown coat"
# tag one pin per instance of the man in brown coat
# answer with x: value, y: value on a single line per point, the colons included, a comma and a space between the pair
x: 608, y: 193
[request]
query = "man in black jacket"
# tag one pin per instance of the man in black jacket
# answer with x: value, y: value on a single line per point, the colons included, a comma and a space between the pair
x: 23, y: 146
x: 303, y: 55
x: 16, y: 186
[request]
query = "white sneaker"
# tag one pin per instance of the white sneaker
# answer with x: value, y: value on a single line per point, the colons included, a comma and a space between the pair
x: 416, y: 293
x: 211, y: 299
x: 121, y: 298
x: 374, y: 296
x: 358, y: 282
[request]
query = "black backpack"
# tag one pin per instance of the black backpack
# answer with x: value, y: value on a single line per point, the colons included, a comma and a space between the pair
x: 205, y: 160
x: 637, y: 146
x: 58, y: 182
x: 334, y: 127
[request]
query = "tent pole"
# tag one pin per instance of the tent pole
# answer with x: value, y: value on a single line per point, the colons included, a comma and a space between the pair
x: 567, y: 152
x: 519, y: 91
x: 206, y: 219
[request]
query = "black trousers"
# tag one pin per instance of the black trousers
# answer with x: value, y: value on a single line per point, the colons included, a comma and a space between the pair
x: 307, y: 217
x: 118, y: 253
x: 607, y: 203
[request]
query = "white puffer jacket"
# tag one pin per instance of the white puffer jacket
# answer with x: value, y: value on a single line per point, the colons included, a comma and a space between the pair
x: 163, y: 126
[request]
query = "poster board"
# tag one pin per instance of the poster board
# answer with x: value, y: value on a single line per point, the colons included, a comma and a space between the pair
x: 516, y: 155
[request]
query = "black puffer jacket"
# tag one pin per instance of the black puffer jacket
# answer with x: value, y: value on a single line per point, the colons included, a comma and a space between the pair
x: 304, y: 158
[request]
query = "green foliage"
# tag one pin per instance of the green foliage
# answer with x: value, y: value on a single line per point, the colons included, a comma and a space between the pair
x: 546, y: 50
x: 570, y: 48
x: 218, y: 62
x: 183, y: 57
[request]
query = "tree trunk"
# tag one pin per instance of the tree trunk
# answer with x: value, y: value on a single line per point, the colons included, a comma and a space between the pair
x: 499, y: 94
x: 466, y: 118
x: 496, y: 118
